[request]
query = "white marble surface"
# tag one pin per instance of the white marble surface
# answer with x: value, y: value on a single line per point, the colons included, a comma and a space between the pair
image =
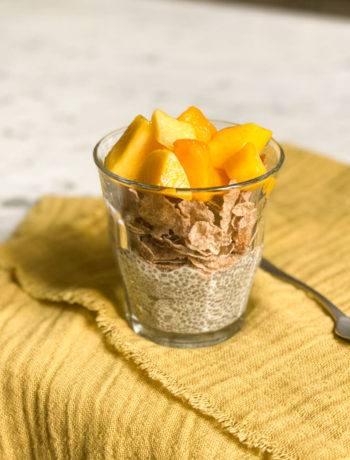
x: 70, y: 71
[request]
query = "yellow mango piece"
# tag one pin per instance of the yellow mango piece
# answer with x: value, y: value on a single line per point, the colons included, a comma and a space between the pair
x: 269, y: 185
x: 128, y: 154
x: 167, y: 129
x: 230, y: 140
x: 203, y: 127
x: 245, y: 164
x: 218, y: 178
x: 161, y: 167
x: 194, y: 158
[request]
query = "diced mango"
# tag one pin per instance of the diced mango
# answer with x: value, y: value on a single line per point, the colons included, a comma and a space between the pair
x: 245, y: 164
x: 203, y: 127
x: 127, y: 155
x: 167, y: 129
x: 218, y: 177
x: 194, y: 158
x: 161, y: 167
x: 269, y: 185
x: 228, y: 141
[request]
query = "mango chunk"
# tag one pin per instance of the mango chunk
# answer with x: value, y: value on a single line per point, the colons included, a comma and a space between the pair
x: 203, y: 127
x: 127, y: 155
x: 269, y: 185
x: 161, y: 167
x: 230, y: 140
x: 194, y: 158
x: 218, y: 177
x: 167, y: 129
x: 245, y: 164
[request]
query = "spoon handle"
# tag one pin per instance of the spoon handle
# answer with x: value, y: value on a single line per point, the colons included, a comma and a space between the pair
x: 326, y: 304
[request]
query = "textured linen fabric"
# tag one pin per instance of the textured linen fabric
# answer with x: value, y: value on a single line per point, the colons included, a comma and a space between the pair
x: 78, y: 383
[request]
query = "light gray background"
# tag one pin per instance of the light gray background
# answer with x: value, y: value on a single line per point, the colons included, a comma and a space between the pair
x: 70, y: 71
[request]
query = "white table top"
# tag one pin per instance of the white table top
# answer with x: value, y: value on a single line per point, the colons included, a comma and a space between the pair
x: 71, y: 71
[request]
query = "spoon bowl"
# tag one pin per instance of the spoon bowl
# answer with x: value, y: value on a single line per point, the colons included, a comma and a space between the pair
x: 342, y: 322
x: 342, y: 327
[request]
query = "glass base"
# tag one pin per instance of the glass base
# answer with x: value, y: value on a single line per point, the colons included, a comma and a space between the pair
x: 168, y: 339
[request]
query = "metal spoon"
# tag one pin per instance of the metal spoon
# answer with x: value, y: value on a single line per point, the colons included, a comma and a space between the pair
x: 342, y: 322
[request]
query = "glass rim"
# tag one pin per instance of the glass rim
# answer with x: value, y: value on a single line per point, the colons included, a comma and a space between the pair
x: 161, y: 188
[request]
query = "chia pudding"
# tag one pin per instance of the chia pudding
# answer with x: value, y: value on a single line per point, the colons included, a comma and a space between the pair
x: 186, y: 300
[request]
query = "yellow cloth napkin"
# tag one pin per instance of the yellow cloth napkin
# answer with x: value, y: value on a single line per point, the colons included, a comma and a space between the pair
x: 278, y: 389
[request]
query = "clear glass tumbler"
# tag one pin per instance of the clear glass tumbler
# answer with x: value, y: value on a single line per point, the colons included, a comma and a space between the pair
x: 187, y: 264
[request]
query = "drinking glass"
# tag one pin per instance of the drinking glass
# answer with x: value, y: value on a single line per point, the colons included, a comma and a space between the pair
x: 187, y: 265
